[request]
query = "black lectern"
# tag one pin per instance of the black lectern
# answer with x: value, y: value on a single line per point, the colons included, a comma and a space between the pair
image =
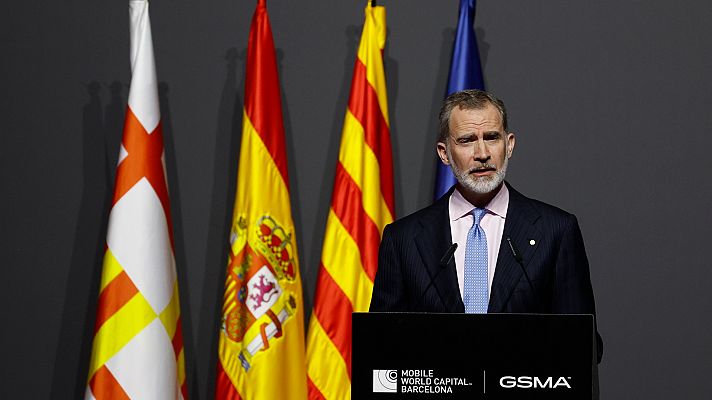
x: 473, y: 356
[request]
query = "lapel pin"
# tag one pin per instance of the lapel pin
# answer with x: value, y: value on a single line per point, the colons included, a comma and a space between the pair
x: 532, y: 242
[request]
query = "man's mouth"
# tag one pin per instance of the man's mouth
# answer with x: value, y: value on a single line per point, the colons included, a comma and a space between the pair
x: 483, y: 171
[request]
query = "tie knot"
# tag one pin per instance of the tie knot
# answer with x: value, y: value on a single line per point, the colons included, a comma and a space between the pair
x: 478, y: 213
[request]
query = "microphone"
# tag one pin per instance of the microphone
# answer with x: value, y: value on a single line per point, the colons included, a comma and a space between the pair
x: 444, y: 261
x: 518, y: 258
x: 448, y: 255
x: 515, y: 253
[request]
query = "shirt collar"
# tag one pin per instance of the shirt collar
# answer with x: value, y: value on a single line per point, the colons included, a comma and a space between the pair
x: 460, y: 207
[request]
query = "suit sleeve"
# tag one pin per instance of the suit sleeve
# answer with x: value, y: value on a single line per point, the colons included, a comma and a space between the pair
x: 388, y: 288
x: 573, y: 292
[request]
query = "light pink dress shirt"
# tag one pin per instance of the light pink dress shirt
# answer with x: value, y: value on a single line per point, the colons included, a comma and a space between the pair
x: 492, y: 223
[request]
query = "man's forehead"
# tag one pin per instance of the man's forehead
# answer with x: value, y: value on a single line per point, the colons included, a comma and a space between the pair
x: 487, y: 118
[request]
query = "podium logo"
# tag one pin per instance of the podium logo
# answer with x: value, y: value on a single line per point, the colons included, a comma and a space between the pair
x: 534, y: 382
x: 385, y: 381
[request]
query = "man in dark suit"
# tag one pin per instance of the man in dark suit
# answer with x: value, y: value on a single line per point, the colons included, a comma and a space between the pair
x: 513, y: 254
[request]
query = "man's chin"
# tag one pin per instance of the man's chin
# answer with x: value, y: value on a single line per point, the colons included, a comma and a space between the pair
x: 482, y: 185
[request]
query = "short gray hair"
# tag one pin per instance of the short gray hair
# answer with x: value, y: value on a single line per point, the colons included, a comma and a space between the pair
x: 469, y: 99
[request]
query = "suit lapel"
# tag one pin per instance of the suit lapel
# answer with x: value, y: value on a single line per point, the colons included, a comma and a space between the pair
x: 432, y: 242
x: 519, y: 227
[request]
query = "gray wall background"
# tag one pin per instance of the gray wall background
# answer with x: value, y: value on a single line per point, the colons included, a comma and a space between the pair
x: 609, y: 100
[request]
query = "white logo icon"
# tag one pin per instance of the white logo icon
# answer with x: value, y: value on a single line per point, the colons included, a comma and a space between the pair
x: 385, y: 381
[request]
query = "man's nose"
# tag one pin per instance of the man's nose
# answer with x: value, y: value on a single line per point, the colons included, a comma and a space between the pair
x: 481, y: 152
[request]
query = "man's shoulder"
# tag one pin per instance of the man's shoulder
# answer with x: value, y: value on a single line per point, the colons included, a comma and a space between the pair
x: 544, y: 210
x: 427, y: 216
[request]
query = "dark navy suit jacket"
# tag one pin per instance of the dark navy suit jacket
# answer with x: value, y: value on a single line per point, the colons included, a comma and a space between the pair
x: 411, y: 277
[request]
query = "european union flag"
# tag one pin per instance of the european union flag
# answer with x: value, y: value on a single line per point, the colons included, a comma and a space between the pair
x: 465, y: 73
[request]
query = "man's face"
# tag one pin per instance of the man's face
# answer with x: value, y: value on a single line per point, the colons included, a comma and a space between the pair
x: 477, y: 149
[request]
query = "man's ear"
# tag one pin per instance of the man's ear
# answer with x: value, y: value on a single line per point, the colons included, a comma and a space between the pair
x: 511, y: 141
x: 442, y: 153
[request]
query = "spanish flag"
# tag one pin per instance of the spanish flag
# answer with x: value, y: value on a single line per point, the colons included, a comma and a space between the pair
x: 138, y: 346
x: 361, y: 206
x: 261, y: 344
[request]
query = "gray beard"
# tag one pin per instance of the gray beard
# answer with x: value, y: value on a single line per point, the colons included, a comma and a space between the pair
x: 479, y: 185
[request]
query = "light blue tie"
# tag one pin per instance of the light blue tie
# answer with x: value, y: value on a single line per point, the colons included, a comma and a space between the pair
x: 475, y: 287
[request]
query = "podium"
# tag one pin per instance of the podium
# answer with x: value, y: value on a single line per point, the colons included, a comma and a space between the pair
x: 473, y: 356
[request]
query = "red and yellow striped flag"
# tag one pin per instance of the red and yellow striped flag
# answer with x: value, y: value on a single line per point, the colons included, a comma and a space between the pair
x: 361, y: 206
x: 261, y: 345
x: 138, y: 346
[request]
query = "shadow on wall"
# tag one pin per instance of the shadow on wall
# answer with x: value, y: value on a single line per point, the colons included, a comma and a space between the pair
x: 483, y: 47
x: 99, y: 127
x: 352, y: 35
x: 425, y: 193
x: 390, y: 65
x: 293, y: 183
x: 114, y: 127
x: 178, y: 236
x: 227, y: 149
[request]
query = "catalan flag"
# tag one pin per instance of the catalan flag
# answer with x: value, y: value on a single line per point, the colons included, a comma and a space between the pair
x: 138, y: 347
x: 261, y: 343
x: 361, y: 206
x: 465, y: 73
